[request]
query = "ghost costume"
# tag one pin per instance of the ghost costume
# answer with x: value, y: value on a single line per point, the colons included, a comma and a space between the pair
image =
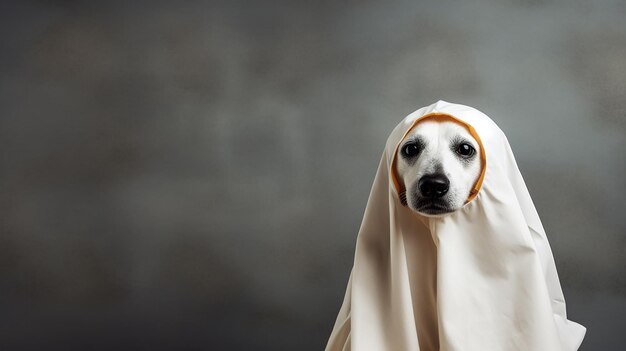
x: 480, y: 278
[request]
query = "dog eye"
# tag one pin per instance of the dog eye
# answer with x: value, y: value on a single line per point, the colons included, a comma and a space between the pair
x: 411, y: 149
x: 465, y: 150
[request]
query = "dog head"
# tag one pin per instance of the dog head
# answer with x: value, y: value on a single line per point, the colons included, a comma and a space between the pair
x: 438, y: 163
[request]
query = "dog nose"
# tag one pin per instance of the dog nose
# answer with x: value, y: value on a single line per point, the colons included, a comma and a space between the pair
x: 434, y: 185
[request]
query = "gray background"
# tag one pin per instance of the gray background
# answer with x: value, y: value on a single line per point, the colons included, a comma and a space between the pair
x: 192, y: 176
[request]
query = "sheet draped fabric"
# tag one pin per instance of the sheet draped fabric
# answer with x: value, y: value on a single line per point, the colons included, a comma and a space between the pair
x: 481, y: 278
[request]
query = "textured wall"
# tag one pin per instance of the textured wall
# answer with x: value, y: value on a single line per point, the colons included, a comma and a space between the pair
x: 187, y: 175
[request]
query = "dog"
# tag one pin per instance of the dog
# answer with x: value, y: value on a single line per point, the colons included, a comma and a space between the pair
x: 439, y: 163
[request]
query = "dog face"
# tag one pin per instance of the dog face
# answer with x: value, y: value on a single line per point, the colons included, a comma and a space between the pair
x: 439, y: 163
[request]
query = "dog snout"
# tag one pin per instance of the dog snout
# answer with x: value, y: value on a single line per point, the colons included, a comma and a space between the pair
x: 434, y: 185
